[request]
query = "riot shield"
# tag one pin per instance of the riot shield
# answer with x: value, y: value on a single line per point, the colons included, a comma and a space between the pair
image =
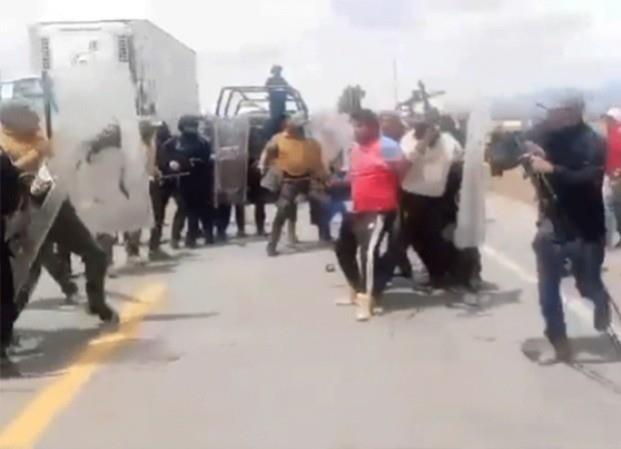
x: 27, y: 229
x: 334, y: 133
x: 98, y: 155
x: 471, y: 223
x: 231, y: 159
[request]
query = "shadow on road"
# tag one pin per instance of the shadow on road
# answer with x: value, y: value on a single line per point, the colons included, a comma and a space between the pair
x: 179, y: 316
x: 588, y: 350
x: 471, y: 304
x: 141, y: 270
x: 57, y: 304
x: 48, y: 353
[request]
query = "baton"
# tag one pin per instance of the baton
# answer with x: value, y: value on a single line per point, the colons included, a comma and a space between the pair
x: 175, y: 175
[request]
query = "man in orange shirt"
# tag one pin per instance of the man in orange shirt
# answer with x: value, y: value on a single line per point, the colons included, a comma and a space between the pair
x: 299, y: 161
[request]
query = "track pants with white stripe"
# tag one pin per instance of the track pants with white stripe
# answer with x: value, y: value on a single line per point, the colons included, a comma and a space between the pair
x: 371, y: 236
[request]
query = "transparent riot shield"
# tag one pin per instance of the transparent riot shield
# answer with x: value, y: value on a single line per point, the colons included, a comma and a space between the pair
x: 98, y: 155
x: 27, y: 229
x: 231, y: 159
x: 335, y: 134
x: 471, y: 223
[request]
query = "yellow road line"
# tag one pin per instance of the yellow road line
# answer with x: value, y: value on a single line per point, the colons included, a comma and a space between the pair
x: 24, y: 431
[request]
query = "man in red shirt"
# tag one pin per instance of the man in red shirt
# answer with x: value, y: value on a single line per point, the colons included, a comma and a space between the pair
x: 613, y: 165
x: 374, y: 166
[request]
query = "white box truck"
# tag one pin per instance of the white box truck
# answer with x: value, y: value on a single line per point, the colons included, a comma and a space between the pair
x: 162, y: 68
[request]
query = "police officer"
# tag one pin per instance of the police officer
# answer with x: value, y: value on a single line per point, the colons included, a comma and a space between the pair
x: 189, y: 156
x: 9, y: 202
x: 24, y: 143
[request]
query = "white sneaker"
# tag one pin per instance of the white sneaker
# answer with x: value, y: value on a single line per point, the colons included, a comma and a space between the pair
x: 363, y: 307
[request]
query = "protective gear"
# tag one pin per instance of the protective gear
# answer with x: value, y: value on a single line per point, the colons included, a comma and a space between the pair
x: 196, y: 186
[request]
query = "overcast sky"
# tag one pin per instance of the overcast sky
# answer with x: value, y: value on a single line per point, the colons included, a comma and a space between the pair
x: 468, y: 47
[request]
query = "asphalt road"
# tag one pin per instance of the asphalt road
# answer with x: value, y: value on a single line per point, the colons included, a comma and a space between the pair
x: 227, y: 349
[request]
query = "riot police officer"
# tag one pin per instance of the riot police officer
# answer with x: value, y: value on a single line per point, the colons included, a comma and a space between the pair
x: 189, y: 156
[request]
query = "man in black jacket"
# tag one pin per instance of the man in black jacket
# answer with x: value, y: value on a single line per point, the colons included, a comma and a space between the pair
x: 9, y: 202
x: 190, y: 154
x: 568, y: 162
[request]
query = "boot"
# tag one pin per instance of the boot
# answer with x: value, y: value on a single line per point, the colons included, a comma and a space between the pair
x: 562, y: 350
x: 602, y: 318
x: 271, y: 250
x: 291, y: 233
x: 8, y: 368
x: 105, y: 313
x: 261, y: 231
x: 363, y: 307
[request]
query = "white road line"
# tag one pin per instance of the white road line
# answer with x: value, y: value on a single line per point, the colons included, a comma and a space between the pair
x: 578, y: 306
x: 507, y: 262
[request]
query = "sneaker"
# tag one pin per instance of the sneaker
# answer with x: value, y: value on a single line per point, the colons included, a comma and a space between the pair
x: 191, y: 244
x: 174, y: 244
x: 601, y: 317
x: 241, y: 234
x: 159, y: 256
x: 363, y: 307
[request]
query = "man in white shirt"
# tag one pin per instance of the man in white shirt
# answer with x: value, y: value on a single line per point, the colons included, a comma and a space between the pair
x: 431, y: 154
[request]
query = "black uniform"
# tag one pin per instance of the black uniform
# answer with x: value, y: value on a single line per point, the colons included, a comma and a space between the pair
x: 161, y: 191
x: 9, y: 200
x: 193, y: 154
x: 571, y: 224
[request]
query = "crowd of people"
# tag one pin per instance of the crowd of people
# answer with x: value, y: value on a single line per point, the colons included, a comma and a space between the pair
x: 403, y: 180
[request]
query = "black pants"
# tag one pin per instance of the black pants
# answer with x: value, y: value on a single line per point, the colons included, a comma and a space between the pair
x: 465, y: 264
x: 367, y: 233
x: 259, y: 217
x: 69, y: 232
x: 423, y: 223
x: 57, y: 269
x: 161, y: 194
x: 401, y: 249
x: 222, y: 218
x: 199, y: 215
x: 8, y: 309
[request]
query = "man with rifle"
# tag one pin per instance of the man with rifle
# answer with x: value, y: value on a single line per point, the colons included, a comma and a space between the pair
x: 566, y: 159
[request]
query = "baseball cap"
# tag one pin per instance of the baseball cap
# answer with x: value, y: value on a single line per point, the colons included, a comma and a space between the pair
x: 614, y: 113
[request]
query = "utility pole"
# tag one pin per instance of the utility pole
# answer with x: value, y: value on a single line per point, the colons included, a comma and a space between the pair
x: 395, y: 81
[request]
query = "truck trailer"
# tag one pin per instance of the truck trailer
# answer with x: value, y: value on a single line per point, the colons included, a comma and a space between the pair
x: 162, y: 68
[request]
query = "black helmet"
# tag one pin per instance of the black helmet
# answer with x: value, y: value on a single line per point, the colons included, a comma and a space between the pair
x: 188, y: 122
